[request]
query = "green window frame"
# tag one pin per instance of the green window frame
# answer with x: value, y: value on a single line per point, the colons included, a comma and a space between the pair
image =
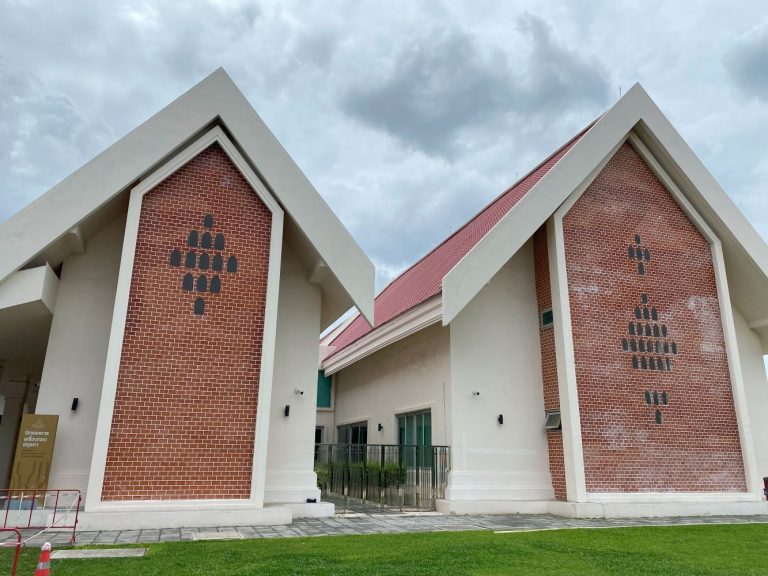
x: 324, y: 390
x: 356, y: 433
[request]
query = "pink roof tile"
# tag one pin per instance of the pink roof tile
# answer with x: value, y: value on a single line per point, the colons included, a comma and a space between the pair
x: 424, y: 278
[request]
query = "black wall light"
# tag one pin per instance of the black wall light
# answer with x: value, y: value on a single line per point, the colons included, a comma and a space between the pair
x: 75, y: 402
x: 501, y: 418
x: 380, y: 427
x: 287, y: 410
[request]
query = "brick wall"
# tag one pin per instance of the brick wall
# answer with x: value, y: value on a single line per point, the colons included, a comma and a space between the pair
x: 185, y: 408
x: 624, y: 218
x: 549, y: 362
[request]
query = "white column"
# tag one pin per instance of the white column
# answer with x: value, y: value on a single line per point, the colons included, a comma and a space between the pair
x: 573, y: 453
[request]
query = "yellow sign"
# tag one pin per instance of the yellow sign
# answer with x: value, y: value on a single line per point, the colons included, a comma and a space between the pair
x: 34, y: 451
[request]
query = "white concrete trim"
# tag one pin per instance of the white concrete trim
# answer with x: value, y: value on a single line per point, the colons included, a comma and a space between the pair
x: 573, y: 452
x: 400, y: 327
x: 414, y: 408
x: 635, y: 111
x: 38, y: 284
x: 464, y: 507
x: 470, y: 486
x: 202, y: 514
x: 649, y: 509
x: 639, y: 497
x: 117, y: 331
x: 751, y: 471
x: 761, y: 323
x: 216, y: 99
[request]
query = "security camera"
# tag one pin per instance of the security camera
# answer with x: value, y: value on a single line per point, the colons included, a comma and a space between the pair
x: 299, y: 392
x: 475, y: 393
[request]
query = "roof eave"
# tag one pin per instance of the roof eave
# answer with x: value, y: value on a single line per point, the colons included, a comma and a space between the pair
x: 216, y: 99
x: 635, y: 111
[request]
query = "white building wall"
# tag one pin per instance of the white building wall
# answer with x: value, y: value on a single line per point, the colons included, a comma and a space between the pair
x: 290, y: 456
x: 13, y: 389
x: 326, y: 419
x: 495, y: 352
x: 409, y: 375
x: 755, y: 387
x: 76, y: 355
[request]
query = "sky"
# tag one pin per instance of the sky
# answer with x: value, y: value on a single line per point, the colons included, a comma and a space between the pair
x: 408, y: 117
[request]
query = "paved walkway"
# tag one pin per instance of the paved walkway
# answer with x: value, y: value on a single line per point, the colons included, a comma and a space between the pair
x: 390, y: 523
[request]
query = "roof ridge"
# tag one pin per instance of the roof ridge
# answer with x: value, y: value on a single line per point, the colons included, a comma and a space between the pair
x: 356, y: 330
x: 485, y: 207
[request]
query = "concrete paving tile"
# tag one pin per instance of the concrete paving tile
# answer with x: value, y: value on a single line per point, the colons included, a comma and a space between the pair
x: 80, y: 554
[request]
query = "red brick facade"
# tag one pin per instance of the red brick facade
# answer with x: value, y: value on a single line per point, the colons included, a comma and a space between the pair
x: 185, y: 408
x: 622, y: 303
x: 549, y: 361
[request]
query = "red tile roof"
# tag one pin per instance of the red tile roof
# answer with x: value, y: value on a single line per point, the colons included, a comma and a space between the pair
x: 424, y: 279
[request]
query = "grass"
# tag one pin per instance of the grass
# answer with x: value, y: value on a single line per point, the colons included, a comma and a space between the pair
x: 696, y: 550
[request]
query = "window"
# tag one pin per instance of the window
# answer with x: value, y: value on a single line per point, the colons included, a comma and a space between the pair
x: 356, y: 433
x: 415, y: 429
x: 324, y: 389
x: 546, y: 318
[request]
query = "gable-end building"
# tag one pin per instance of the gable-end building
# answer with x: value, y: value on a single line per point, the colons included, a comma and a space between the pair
x: 176, y: 285
x: 589, y: 344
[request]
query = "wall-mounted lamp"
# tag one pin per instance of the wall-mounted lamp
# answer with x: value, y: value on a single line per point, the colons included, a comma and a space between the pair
x: 381, y: 428
x: 75, y: 402
x: 287, y: 410
x: 475, y: 393
x: 501, y: 418
x: 298, y: 392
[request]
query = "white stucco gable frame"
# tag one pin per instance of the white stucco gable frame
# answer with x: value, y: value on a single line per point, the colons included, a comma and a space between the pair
x: 114, y: 351
x: 634, y: 117
x: 566, y: 362
x: 214, y: 101
x: 746, y: 253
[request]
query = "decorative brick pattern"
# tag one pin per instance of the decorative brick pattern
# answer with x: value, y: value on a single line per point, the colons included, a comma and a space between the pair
x: 549, y: 362
x: 185, y: 409
x: 697, y: 448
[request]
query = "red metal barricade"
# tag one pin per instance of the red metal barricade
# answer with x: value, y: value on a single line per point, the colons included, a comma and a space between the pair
x: 13, y: 544
x: 43, y: 510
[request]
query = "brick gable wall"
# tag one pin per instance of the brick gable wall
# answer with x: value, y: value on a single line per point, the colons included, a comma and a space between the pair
x: 185, y: 407
x: 549, y: 362
x: 695, y: 447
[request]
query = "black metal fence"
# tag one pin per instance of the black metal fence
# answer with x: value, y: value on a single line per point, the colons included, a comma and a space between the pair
x: 388, y: 476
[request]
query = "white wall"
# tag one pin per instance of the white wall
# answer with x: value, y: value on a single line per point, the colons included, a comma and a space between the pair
x: 409, y: 375
x: 495, y: 351
x: 755, y: 387
x: 326, y: 419
x: 290, y: 456
x: 13, y: 388
x: 76, y: 355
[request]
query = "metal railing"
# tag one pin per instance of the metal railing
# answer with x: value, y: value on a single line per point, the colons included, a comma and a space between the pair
x: 15, y: 544
x: 388, y: 476
x: 42, y: 510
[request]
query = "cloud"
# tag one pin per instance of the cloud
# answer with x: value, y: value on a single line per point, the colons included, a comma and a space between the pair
x: 747, y: 63
x: 42, y: 135
x: 444, y: 87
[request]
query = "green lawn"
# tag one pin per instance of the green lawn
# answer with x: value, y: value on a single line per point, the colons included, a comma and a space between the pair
x: 701, y: 550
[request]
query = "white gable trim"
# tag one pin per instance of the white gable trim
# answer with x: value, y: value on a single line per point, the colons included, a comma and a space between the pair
x: 573, y: 453
x: 214, y: 100
x: 634, y: 111
x: 402, y: 326
x: 114, y: 351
